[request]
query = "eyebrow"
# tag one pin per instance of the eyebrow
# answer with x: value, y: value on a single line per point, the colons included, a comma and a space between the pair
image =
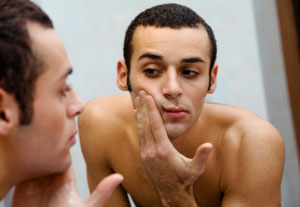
x: 67, y: 73
x: 151, y: 56
x: 192, y: 60
x: 185, y: 60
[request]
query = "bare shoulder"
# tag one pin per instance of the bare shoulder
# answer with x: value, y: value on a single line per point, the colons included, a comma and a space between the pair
x: 106, y: 108
x: 252, y: 154
x: 99, y: 121
x: 102, y: 131
x: 252, y: 139
x: 246, y: 129
x: 241, y: 126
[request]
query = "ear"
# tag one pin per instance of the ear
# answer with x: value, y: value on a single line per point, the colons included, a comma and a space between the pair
x: 213, y: 79
x: 122, y: 75
x: 9, y: 112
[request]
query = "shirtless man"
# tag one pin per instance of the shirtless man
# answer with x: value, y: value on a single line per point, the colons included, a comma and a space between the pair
x: 178, y: 150
x: 37, y: 111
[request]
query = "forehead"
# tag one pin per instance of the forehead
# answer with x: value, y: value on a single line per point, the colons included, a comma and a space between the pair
x: 49, y: 50
x: 185, y: 41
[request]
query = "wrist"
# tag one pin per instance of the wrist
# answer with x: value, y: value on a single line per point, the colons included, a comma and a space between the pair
x: 179, y: 198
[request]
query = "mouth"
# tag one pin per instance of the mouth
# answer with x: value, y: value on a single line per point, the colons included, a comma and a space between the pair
x: 72, y: 139
x: 175, y: 112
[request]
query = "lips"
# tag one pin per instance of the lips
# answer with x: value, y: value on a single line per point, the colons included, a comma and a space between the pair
x: 72, y: 139
x: 175, y: 112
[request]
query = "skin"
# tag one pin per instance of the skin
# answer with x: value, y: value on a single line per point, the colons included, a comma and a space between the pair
x: 173, y: 148
x: 44, y: 177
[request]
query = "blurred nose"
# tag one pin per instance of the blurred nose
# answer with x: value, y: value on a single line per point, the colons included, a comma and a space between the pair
x: 171, y: 85
x: 76, y: 105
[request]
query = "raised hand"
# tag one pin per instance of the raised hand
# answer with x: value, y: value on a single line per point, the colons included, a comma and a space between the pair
x: 60, y: 190
x: 171, y: 173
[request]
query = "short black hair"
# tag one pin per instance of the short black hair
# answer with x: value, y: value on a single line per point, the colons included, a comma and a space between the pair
x: 19, y: 67
x: 170, y: 15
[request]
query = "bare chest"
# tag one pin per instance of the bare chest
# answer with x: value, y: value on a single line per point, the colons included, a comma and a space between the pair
x: 143, y: 192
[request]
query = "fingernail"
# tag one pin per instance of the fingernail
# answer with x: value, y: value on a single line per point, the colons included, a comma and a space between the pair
x: 142, y: 93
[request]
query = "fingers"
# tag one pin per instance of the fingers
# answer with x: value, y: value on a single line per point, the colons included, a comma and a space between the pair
x: 154, y: 122
x: 139, y: 122
x: 104, y: 190
x: 143, y: 123
x: 201, y: 156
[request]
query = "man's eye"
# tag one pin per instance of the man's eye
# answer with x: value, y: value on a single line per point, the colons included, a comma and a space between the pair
x: 152, y: 72
x: 65, y: 90
x: 190, y: 73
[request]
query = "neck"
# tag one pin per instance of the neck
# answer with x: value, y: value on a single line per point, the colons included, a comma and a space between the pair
x: 5, y: 181
x: 7, y: 177
x: 3, y: 191
x: 196, y: 135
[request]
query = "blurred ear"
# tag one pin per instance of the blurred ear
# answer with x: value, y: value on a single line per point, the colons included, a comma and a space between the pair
x: 9, y: 113
x: 122, y: 75
x: 213, y: 79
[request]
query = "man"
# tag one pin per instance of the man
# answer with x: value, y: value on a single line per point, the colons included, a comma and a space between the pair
x: 37, y: 111
x: 179, y: 150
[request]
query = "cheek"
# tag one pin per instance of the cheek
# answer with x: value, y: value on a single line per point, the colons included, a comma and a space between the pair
x: 196, y: 95
x: 151, y: 87
x: 198, y: 103
x: 51, y: 118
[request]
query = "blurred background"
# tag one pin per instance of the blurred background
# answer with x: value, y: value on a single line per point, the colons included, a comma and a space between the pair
x: 256, y: 71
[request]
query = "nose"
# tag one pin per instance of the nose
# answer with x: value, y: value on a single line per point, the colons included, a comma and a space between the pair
x: 76, y: 106
x: 171, y: 85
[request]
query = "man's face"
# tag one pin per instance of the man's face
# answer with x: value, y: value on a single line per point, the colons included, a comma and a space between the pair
x: 43, y: 145
x: 172, y: 65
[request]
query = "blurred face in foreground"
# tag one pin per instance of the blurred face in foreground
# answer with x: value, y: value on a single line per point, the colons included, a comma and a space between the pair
x: 42, y: 147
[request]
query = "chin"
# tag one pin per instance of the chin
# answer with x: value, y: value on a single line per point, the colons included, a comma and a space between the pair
x: 64, y: 164
x: 174, y: 135
x: 46, y: 167
x: 59, y: 165
x: 175, y: 131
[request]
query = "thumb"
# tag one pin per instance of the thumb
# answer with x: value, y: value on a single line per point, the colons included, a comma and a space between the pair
x: 104, y: 190
x: 201, y: 156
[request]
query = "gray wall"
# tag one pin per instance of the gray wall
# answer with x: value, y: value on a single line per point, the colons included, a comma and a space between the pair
x: 93, y: 33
